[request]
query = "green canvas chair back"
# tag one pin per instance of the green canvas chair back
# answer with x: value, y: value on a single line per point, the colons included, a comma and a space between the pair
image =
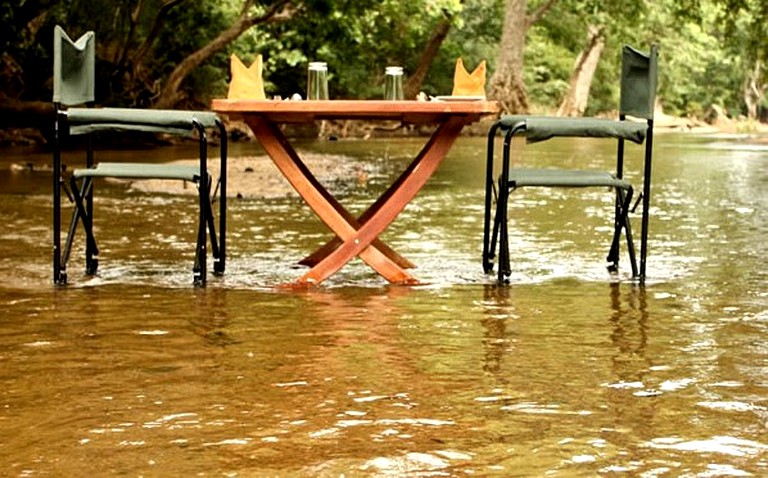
x: 74, y: 72
x: 639, y: 76
x: 74, y: 68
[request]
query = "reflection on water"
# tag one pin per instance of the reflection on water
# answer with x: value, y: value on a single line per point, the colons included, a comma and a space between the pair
x: 567, y: 372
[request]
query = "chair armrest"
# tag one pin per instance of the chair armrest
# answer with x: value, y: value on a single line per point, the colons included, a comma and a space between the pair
x: 87, y: 120
x: 541, y: 128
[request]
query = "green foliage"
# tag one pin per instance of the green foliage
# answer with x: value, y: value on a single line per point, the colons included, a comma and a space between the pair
x: 548, y: 67
x: 698, y: 68
x: 357, y: 39
x: 474, y: 38
x: 208, y: 77
x: 708, y: 48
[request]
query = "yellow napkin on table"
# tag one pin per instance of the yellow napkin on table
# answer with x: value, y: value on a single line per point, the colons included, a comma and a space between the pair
x: 246, y: 83
x: 466, y: 84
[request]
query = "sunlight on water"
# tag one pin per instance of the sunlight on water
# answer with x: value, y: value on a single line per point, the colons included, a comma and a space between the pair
x: 719, y: 444
x: 568, y: 371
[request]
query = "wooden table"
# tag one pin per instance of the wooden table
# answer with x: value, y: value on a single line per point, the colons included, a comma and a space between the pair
x: 356, y: 236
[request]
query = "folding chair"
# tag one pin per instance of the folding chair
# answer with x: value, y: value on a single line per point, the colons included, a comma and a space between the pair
x: 638, y: 94
x: 73, y: 84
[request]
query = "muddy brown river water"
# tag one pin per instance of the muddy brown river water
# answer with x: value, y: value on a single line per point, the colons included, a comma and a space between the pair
x: 568, y: 371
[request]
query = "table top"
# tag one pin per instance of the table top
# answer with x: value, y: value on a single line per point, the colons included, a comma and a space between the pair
x: 287, y: 111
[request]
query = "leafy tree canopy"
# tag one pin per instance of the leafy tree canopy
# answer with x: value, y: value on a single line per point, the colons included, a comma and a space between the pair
x: 713, y: 52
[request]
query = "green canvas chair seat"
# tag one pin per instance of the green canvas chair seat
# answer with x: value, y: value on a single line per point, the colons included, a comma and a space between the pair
x: 638, y: 90
x: 564, y: 178
x: 139, y: 171
x: 73, y: 85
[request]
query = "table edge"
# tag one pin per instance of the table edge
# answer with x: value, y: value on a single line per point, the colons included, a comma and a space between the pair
x: 347, y: 108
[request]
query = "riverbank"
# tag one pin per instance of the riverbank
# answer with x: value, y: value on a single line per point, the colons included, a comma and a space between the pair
x: 256, y: 176
x: 239, y: 131
x: 667, y: 123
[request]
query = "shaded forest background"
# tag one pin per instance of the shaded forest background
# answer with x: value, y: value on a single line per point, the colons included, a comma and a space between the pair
x: 546, y: 56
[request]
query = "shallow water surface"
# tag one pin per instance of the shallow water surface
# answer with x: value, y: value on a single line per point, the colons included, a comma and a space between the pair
x: 568, y: 371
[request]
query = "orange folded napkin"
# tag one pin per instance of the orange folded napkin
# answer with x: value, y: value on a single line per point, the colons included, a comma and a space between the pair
x: 466, y: 84
x: 246, y: 83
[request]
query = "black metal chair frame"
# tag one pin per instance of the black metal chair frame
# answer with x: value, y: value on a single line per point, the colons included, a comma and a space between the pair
x: 496, y: 230
x: 89, y: 121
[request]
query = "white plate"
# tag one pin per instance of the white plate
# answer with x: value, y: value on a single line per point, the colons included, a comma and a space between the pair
x: 459, y: 98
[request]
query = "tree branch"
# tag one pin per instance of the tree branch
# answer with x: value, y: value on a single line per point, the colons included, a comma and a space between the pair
x: 413, y: 85
x: 536, y: 15
x: 280, y: 11
x: 138, y: 57
x: 169, y: 95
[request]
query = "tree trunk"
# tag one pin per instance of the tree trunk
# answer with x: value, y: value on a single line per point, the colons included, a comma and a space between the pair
x: 170, y: 96
x: 413, y: 85
x: 506, y: 84
x: 575, y: 101
x: 754, y: 91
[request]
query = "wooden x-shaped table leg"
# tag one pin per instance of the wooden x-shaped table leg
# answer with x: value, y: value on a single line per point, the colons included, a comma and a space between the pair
x: 359, y: 237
